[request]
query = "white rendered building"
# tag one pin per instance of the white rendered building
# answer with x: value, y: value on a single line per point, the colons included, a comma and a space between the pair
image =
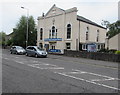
x: 62, y: 29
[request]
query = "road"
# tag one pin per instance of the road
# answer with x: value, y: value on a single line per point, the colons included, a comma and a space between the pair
x: 57, y: 74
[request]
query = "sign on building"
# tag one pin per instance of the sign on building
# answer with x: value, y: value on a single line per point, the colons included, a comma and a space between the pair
x: 91, y: 48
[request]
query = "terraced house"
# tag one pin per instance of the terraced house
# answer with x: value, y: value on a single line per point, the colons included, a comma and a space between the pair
x: 60, y: 29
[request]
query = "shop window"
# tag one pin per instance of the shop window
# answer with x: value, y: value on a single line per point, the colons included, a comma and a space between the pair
x: 41, y: 45
x: 98, y: 47
x: 68, y: 45
x: 84, y: 47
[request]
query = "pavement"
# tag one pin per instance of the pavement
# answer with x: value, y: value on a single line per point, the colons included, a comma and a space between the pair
x: 57, y: 74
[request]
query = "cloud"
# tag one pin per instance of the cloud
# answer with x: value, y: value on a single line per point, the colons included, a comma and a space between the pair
x: 95, y: 10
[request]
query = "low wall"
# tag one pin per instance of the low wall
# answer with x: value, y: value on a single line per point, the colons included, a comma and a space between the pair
x: 93, y: 55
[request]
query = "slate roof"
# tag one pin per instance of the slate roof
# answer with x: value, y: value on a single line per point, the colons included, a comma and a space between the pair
x: 80, y: 18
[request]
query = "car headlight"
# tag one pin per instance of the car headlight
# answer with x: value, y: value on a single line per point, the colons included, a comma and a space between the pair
x: 18, y: 50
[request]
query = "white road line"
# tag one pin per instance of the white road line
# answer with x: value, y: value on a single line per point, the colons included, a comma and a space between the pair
x: 105, y: 79
x: 35, y: 66
x: 45, y: 64
x: 52, y: 68
x: 19, y: 62
x: 6, y: 58
x: 111, y: 87
x: 94, y: 74
x: 74, y: 72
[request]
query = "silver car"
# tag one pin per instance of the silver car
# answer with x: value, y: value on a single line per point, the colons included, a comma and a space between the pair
x: 17, y: 50
x: 35, y: 51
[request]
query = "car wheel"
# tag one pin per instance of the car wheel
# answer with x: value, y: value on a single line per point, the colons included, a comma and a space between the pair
x: 16, y: 52
x: 45, y: 57
x: 36, y: 55
x: 26, y: 54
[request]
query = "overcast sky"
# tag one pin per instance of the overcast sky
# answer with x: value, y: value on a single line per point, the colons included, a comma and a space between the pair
x: 94, y: 10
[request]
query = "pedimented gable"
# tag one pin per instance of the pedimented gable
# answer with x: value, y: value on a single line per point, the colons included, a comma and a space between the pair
x: 54, y: 11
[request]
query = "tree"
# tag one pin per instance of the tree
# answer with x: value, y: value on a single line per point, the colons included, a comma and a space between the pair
x: 114, y: 29
x: 2, y: 38
x: 19, y: 37
x: 105, y: 23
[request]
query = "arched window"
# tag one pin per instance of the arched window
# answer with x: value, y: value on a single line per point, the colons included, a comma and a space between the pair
x: 53, y: 32
x: 41, y: 33
x: 68, y: 31
x: 49, y: 33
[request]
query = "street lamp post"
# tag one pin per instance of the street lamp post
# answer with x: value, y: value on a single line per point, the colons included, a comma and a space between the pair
x: 27, y: 25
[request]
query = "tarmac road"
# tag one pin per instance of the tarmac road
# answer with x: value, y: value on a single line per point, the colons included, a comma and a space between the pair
x: 57, y: 74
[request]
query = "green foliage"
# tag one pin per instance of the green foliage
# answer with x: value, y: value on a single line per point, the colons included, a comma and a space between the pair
x: 9, y: 42
x: 113, y: 29
x: 2, y: 38
x: 117, y: 52
x: 19, y: 37
x: 104, y: 50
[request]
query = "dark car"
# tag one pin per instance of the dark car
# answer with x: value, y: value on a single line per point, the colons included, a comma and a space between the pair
x: 35, y: 51
x: 17, y: 50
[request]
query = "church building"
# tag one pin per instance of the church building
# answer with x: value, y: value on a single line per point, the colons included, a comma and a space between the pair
x: 60, y: 29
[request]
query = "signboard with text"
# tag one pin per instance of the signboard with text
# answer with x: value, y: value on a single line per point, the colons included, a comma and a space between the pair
x: 53, y: 39
x: 91, y: 48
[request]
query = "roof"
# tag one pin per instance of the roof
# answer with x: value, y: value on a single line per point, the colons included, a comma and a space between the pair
x: 80, y: 18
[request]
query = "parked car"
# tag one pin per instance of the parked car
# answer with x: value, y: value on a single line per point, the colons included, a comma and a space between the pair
x: 17, y: 50
x: 35, y: 51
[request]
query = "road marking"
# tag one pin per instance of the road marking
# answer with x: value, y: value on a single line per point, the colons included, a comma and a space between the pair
x: 38, y: 66
x: 94, y: 74
x: 74, y: 72
x: 105, y: 79
x: 111, y: 87
x: 52, y: 68
x: 19, y: 62
x: 93, y: 64
x: 6, y: 58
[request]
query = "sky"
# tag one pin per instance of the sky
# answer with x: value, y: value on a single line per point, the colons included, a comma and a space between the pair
x: 94, y: 10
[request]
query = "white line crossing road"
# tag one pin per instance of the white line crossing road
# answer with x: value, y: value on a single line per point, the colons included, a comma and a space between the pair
x: 81, y: 79
x: 88, y: 77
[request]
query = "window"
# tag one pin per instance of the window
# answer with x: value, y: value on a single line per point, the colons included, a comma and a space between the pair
x: 97, y: 38
x: 53, y: 32
x: 84, y: 47
x: 98, y: 47
x: 49, y: 33
x: 68, y: 31
x: 41, y: 45
x: 56, y: 33
x: 68, y: 46
x: 87, y: 33
x: 41, y: 34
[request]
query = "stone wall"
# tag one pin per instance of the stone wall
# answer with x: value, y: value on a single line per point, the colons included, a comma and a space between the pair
x: 93, y: 55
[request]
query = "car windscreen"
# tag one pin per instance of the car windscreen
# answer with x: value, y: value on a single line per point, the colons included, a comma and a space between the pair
x: 19, y: 47
x: 40, y: 49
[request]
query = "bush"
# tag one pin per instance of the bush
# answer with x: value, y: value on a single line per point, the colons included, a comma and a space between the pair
x: 117, y: 52
x: 112, y: 51
x: 104, y: 50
